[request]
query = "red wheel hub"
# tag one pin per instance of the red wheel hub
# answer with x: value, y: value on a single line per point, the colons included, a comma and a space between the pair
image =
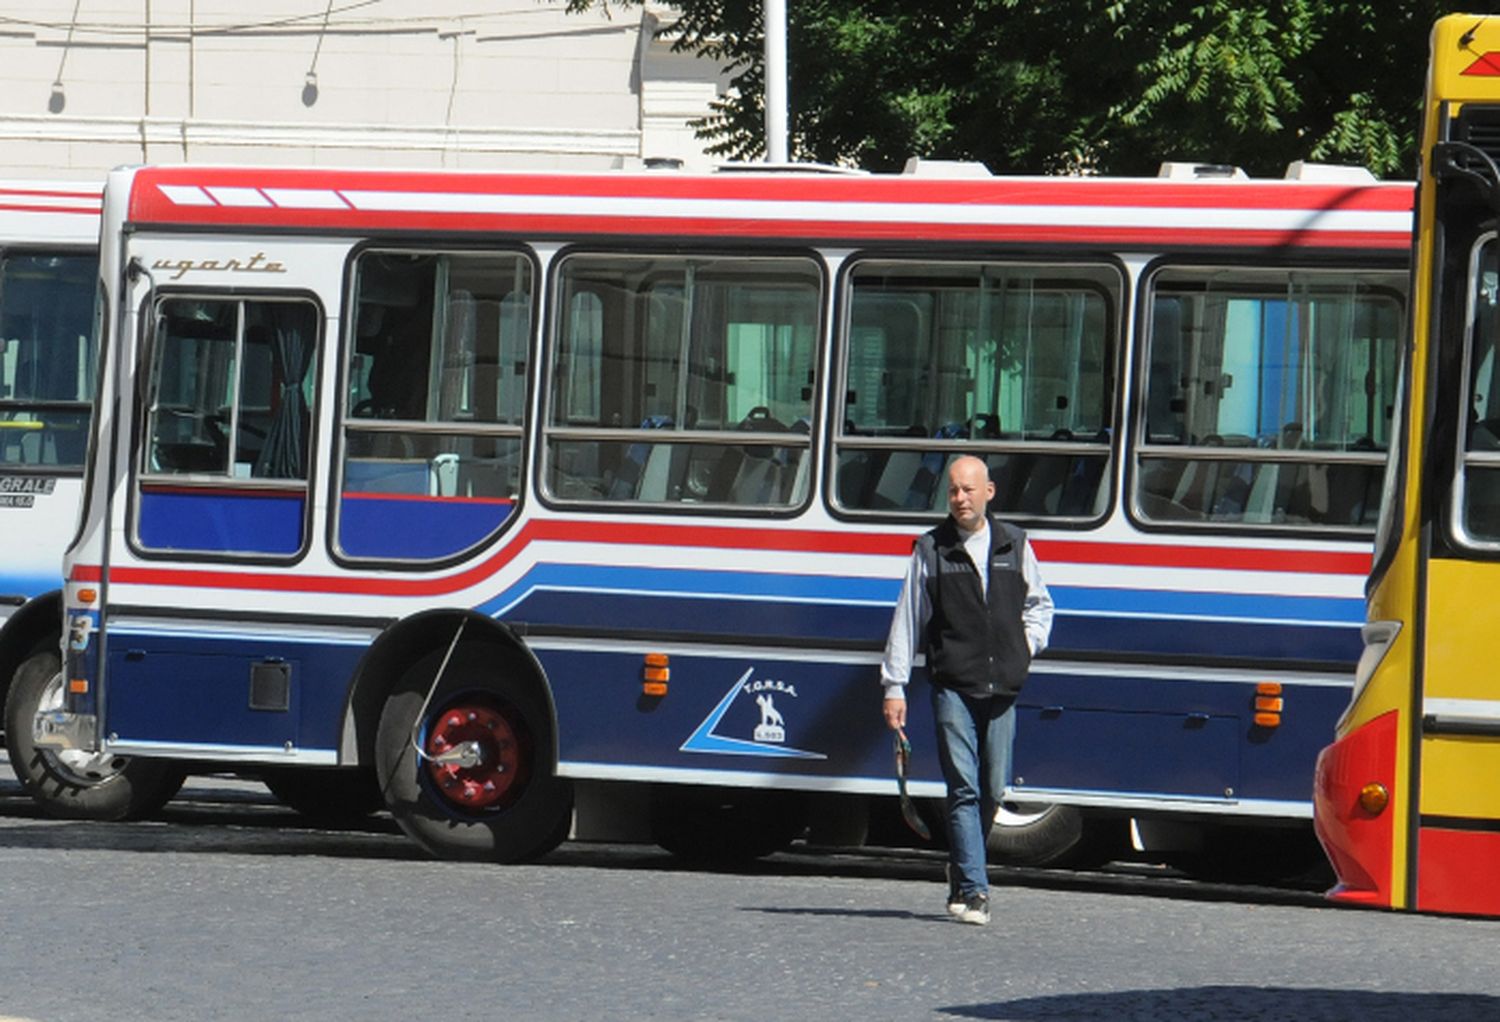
x: 498, y: 743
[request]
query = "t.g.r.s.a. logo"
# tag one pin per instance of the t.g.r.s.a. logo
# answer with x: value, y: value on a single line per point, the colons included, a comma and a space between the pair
x: 757, y: 707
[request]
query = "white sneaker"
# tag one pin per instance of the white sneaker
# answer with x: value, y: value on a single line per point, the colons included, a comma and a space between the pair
x: 976, y: 910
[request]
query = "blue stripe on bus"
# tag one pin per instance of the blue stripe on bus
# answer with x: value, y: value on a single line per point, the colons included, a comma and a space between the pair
x: 700, y: 583
x: 1238, y: 606
x: 811, y: 625
x: 705, y: 584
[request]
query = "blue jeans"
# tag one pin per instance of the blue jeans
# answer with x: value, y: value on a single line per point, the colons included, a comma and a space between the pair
x: 974, y: 738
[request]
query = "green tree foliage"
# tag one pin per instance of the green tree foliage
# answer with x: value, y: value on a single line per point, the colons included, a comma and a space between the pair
x: 1109, y: 86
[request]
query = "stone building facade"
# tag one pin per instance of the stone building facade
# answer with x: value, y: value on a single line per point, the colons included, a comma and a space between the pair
x: 90, y: 84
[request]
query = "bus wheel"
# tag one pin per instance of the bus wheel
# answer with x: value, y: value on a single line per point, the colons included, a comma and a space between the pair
x: 503, y: 804
x: 326, y: 795
x: 725, y: 826
x: 1268, y: 855
x: 77, y: 785
x: 1040, y: 834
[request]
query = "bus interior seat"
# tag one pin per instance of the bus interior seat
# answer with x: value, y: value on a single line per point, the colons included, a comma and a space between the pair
x: 1195, y: 486
x: 897, y: 477
x: 1267, y: 493
x: 751, y: 474
x: 1080, y: 492
x: 387, y: 475
x: 758, y: 480
x: 630, y: 476
x: 1048, y: 475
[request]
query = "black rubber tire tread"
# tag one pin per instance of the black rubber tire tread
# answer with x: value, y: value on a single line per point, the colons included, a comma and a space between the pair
x: 1046, y: 840
x: 725, y: 826
x: 536, y: 822
x: 326, y: 795
x: 1062, y: 836
x: 137, y: 788
x: 1280, y: 856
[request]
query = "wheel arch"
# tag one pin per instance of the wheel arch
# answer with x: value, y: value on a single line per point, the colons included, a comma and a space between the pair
x: 37, y: 621
x: 399, y: 647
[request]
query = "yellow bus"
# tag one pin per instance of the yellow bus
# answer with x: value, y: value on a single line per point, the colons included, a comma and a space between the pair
x: 1407, y: 799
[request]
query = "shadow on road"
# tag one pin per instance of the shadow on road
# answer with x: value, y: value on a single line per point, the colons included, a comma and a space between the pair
x: 228, y: 815
x: 1239, y: 1004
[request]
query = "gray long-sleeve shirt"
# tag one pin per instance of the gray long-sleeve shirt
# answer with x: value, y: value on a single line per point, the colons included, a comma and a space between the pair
x: 914, y: 610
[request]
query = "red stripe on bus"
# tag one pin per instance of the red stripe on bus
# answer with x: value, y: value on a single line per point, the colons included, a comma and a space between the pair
x: 724, y: 537
x: 1104, y: 192
x: 1148, y: 555
x: 16, y: 207
x: 426, y: 498
x: 823, y: 230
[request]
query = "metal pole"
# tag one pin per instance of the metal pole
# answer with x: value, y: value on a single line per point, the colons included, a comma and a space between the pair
x: 774, y: 14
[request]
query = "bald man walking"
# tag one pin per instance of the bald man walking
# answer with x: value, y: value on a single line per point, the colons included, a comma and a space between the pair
x: 974, y: 601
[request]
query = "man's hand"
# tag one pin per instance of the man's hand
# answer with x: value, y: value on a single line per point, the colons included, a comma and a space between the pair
x: 895, y: 713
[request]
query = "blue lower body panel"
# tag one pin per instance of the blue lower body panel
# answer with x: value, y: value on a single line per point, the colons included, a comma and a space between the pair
x: 740, y: 714
x: 192, y: 691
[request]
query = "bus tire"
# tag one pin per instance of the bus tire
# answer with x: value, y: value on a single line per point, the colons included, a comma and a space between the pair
x: 511, y: 806
x: 725, y: 826
x: 76, y: 785
x: 1279, y: 856
x: 326, y: 795
x: 1041, y: 834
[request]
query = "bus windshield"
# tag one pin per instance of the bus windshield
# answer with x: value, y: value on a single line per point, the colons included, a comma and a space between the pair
x: 1479, y: 460
x: 46, y: 358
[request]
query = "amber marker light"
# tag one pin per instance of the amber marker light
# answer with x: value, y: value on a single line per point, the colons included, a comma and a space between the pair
x: 1373, y: 798
x: 655, y: 674
x: 88, y: 596
x: 1268, y: 704
x: 78, y: 686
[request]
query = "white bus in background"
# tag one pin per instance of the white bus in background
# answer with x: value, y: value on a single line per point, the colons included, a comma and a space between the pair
x: 49, y: 358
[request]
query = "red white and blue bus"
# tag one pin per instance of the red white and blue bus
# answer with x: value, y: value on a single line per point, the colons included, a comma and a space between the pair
x: 49, y: 277
x: 511, y: 490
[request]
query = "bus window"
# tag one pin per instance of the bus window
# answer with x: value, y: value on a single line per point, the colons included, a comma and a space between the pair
x: 1479, y: 485
x: 46, y: 358
x: 436, y: 397
x: 232, y: 389
x: 1012, y: 363
x: 683, y: 380
x: 1268, y: 396
x: 231, y: 399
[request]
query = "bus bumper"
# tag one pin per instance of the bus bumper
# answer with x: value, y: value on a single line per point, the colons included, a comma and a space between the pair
x: 1356, y: 830
x: 62, y: 731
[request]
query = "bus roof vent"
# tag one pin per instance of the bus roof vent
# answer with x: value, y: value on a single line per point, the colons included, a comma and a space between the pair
x: 1184, y: 171
x: 1328, y: 173
x: 918, y: 167
x: 755, y: 167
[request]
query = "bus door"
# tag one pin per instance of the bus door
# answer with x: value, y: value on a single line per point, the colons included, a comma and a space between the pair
x: 1458, y: 836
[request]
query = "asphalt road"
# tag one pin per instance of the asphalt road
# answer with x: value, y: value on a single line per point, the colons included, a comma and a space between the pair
x: 230, y: 907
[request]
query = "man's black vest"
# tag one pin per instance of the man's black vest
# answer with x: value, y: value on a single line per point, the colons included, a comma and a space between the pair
x: 976, y: 642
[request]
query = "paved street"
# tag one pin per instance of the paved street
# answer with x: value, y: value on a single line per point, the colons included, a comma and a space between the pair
x: 232, y: 908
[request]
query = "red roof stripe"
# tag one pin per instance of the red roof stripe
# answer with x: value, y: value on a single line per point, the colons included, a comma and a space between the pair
x: 1027, y: 191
